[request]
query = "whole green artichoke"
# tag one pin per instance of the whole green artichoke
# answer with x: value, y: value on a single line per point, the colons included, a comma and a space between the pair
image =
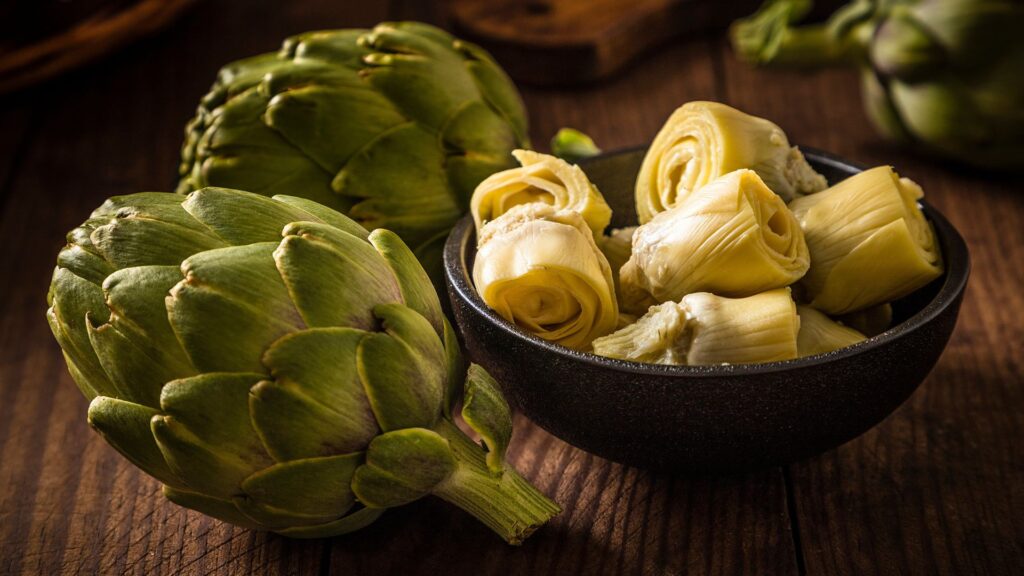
x: 393, y: 126
x: 945, y: 75
x: 276, y: 366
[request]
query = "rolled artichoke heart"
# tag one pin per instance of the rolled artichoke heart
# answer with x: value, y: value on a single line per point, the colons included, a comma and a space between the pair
x: 706, y: 329
x: 869, y: 242
x: 541, y: 269
x: 544, y: 179
x: 820, y: 334
x: 704, y: 140
x: 733, y: 237
x: 277, y: 366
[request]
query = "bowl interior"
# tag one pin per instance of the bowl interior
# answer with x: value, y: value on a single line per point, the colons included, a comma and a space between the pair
x: 615, y: 174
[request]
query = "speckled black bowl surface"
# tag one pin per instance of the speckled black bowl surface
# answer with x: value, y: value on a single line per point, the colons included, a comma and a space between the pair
x: 708, y: 418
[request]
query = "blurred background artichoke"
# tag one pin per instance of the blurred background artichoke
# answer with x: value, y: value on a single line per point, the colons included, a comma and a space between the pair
x: 945, y: 75
x: 393, y: 126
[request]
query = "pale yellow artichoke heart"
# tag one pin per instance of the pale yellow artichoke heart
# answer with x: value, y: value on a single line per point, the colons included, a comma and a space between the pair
x: 733, y: 237
x: 704, y: 140
x: 820, y: 334
x: 541, y: 179
x: 706, y: 329
x: 617, y: 247
x: 541, y: 269
x: 869, y: 242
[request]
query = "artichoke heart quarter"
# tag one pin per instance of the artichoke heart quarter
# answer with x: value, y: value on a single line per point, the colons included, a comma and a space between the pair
x: 706, y: 329
x: 544, y: 179
x: 869, y: 242
x: 541, y: 269
x: 733, y: 237
x: 820, y: 334
x: 704, y: 140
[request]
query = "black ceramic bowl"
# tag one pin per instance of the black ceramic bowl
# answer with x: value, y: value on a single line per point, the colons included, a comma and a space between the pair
x: 708, y: 418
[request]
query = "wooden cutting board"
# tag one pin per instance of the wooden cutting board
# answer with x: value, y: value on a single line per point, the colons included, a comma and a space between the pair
x: 561, y: 42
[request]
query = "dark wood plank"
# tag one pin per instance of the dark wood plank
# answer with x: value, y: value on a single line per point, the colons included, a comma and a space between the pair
x: 616, y: 520
x: 68, y: 502
x: 938, y: 488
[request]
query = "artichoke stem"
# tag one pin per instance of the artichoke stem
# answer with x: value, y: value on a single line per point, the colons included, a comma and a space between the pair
x: 808, y: 46
x: 505, y: 502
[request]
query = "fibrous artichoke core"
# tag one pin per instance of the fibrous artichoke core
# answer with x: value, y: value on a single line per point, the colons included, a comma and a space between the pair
x: 542, y: 270
x: 702, y: 141
x: 276, y: 366
x: 732, y: 237
x: 394, y: 126
x: 706, y: 329
x: 869, y: 242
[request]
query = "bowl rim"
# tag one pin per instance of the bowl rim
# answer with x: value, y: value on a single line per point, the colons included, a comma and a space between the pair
x: 954, y: 254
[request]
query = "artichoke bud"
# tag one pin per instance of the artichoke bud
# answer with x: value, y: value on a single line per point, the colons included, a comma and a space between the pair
x: 541, y: 179
x: 869, y: 242
x: 732, y: 237
x: 572, y: 145
x: 702, y: 141
x: 706, y: 329
x: 289, y: 372
x: 820, y: 334
x: 394, y: 126
x: 542, y: 270
x: 902, y: 47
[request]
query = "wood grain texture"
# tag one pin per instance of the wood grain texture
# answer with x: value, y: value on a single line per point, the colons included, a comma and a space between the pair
x: 938, y: 488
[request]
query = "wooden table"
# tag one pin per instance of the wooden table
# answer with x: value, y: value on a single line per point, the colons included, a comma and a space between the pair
x: 938, y: 488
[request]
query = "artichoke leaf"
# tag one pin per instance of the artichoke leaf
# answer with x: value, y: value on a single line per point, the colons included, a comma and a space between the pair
x: 572, y: 145
x: 223, y: 509
x: 351, y: 522
x: 417, y: 291
x: 126, y: 427
x: 315, y: 259
x: 75, y: 304
x: 319, y: 213
x: 242, y: 217
x: 240, y: 288
x: 402, y: 466
x: 488, y: 414
x: 403, y: 370
x: 281, y: 495
x: 314, y: 405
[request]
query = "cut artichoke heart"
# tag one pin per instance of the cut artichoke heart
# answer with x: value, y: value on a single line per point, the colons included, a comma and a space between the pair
x: 617, y: 247
x: 820, y: 334
x: 541, y: 179
x: 541, y: 269
x: 869, y: 242
x: 733, y: 237
x: 703, y: 328
x: 704, y: 140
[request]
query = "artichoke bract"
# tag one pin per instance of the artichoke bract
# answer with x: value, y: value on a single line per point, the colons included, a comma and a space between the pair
x: 732, y: 237
x: 869, y: 242
x: 276, y: 366
x: 704, y: 140
x: 545, y: 179
x: 820, y: 334
x: 541, y: 269
x: 706, y: 329
x: 393, y: 126
x: 943, y: 75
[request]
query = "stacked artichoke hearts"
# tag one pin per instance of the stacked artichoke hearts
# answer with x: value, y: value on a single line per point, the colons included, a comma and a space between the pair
x: 275, y: 365
x: 733, y: 237
x: 704, y: 140
x: 541, y: 269
x: 703, y: 328
x: 868, y: 240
